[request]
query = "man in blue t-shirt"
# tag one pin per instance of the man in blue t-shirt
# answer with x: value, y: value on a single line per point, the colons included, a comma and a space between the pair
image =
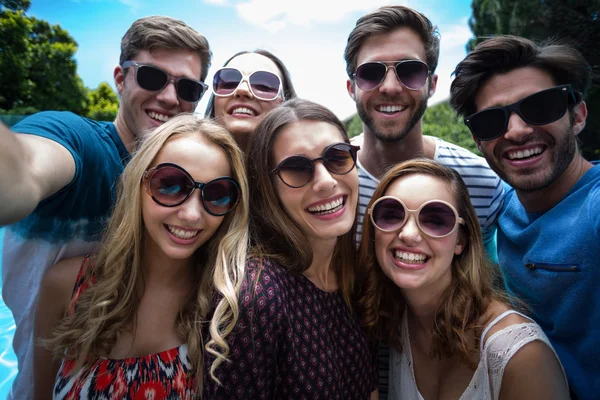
x: 58, y: 170
x: 524, y: 105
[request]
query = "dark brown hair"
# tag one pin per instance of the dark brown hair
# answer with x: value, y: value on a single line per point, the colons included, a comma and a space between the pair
x: 273, y: 233
x: 381, y: 303
x: 286, y: 80
x: 503, y: 54
x: 387, y: 19
x: 159, y: 32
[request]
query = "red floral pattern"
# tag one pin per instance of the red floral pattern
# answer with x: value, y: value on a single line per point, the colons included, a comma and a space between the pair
x: 164, y: 375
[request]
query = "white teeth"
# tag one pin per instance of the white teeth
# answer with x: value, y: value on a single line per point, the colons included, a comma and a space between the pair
x: 158, y: 117
x: 412, y: 258
x: 243, y: 110
x: 180, y: 233
x: 327, y: 208
x: 515, y: 155
x: 390, y: 109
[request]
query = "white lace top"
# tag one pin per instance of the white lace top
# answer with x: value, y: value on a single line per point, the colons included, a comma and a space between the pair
x: 495, y: 353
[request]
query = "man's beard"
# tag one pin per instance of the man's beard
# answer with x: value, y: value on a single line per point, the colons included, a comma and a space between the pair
x: 396, y: 135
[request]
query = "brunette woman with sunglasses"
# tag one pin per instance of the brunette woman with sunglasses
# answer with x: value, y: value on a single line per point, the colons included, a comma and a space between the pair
x: 427, y: 293
x: 132, y: 326
x: 250, y: 84
x: 297, y: 336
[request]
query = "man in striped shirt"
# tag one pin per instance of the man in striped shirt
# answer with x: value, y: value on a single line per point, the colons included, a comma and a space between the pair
x: 391, y: 57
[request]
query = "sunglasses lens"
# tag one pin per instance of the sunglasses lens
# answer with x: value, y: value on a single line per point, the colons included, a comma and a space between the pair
x: 388, y: 215
x: 339, y: 159
x: 265, y: 85
x: 488, y: 124
x: 437, y: 219
x: 544, y: 107
x: 226, y: 80
x: 170, y: 186
x: 150, y: 78
x: 189, y: 90
x: 220, y: 196
x: 296, y: 171
x: 413, y: 74
x: 369, y: 75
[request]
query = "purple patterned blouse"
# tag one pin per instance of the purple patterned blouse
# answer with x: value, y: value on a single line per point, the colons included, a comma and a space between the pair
x: 293, y: 341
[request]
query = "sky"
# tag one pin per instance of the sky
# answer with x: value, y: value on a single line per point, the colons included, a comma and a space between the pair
x: 308, y: 35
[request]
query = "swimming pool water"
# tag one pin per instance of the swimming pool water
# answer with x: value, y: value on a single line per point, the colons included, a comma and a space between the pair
x: 8, y: 359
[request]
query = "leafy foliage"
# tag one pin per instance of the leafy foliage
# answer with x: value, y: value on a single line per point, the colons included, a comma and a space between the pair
x: 575, y: 21
x: 439, y: 120
x: 103, y: 103
x: 37, y: 68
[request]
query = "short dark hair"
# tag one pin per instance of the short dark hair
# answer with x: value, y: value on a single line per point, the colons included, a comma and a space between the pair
x: 503, y: 54
x: 286, y: 80
x: 159, y: 32
x: 387, y: 19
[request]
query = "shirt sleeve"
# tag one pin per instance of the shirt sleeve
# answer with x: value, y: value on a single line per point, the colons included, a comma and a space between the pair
x: 251, y: 371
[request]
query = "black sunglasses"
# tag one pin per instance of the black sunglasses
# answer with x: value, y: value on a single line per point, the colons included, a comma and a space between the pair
x: 411, y: 73
x: 297, y: 171
x: 154, y: 79
x: 170, y: 185
x: 541, y: 108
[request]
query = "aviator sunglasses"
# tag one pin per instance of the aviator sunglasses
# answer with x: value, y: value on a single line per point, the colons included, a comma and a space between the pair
x: 170, y: 185
x: 263, y: 85
x: 297, y: 171
x: 411, y: 73
x: 154, y: 79
x: 435, y: 218
x: 540, y: 108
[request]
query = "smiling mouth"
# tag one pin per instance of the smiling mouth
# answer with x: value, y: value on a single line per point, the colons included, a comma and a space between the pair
x: 524, y: 154
x: 180, y: 233
x: 328, y: 208
x: 158, y: 117
x: 410, y: 258
x: 390, y: 109
x: 243, y: 110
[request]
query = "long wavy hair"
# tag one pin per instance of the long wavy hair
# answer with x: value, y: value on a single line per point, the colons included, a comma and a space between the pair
x: 273, y: 233
x: 381, y: 303
x: 117, y: 271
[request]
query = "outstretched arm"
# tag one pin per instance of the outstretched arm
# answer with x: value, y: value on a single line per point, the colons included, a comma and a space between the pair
x: 31, y: 169
x: 532, y: 373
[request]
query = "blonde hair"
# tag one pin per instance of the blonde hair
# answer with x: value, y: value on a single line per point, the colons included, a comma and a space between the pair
x: 381, y: 303
x: 110, y: 303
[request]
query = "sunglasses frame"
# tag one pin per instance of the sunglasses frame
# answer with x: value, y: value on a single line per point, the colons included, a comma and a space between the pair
x: 246, y: 78
x: 569, y: 97
x: 394, y: 65
x: 408, y: 212
x: 170, y: 78
x: 197, y: 185
x: 352, y: 149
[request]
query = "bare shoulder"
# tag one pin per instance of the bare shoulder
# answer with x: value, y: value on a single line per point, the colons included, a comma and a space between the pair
x: 495, y: 309
x: 59, y: 280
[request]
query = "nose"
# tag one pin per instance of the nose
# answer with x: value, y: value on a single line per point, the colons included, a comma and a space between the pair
x: 243, y: 89
x: 323, y: 180
x: 410, y: 232
x: 168, y: 96
x: 390, y: 83
x: 191, y: 211
x: 517, y: 129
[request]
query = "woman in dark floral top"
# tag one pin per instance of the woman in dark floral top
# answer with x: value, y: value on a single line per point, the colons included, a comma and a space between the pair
x: 297, y: 336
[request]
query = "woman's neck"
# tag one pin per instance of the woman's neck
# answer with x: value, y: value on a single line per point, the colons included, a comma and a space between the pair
x: 320, y: 272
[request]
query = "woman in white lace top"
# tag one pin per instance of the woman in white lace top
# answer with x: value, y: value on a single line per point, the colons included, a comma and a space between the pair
x: 427, y: 294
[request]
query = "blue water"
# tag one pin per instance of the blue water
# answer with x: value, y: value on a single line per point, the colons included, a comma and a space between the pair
x: 8, y: 360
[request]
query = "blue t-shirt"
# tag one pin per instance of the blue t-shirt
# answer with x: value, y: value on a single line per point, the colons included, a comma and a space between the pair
x: 66, y: 224
x: 551, y: 260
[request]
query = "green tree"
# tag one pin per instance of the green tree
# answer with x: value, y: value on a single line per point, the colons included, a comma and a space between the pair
x: 15, y: 5
x: 103, y: 103
x: 576, y: 22
x: 37, y: 68
x: 439, y: 120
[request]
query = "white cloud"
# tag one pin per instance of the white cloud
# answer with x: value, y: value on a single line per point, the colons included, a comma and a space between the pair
x: 217, y: 2
x: 275, y: 15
